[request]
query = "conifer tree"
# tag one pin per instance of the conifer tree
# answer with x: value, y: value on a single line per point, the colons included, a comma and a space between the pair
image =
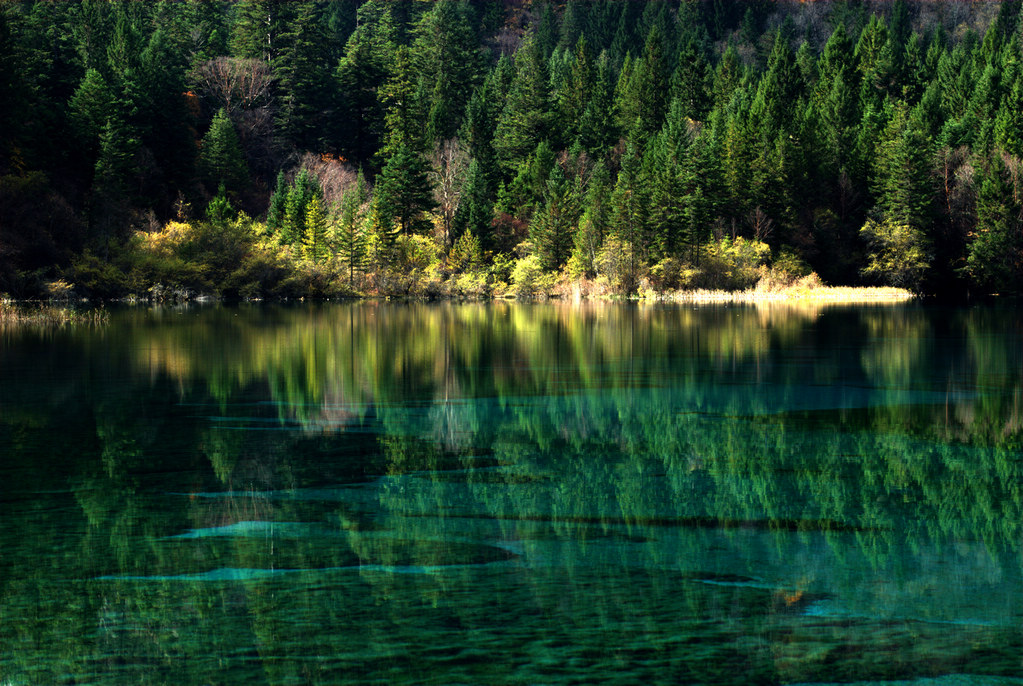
x: 597, y: 129
x: 902, y: 183
x: 300, y: 195
x: 359, y: 75
x: 90, y: 108
x: 525, y: 120
x: 221, y: 156
x: 448, y: 59
x: 689, y: 83
x: 403, y: 193
x: 552, y: 227
x: 575, y: 93
x: 314, y: 238
x: 994, y: 260
x: 594, y: 223
x: 260, y: 29
x: 276, y: 211
x: 405, y: 119
x: 630, y: 216
x: 308, y: 96
x: 351, y: 236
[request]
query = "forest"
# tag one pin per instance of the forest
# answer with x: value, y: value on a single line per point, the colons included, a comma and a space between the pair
x: 478, y: 148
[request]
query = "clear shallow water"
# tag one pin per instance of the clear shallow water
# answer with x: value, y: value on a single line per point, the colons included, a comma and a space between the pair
x: 514, y: 494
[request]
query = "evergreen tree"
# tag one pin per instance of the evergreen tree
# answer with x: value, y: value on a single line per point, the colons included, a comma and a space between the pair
x: 314, y: 238
x: 597, y: 129
x: 551, y: 230
x: 574, y: 95
x: 260, y: 29
x: 594, y: 223
x: 526, y: 118
x: 774, y: 106
x: 448, y: 58
x: 115, y: 169
x: 359, y: 75
x: 477, y: 206
x: 1008, y: 127
x: 351, y: 236
x: 308, y: 97
x: 221, y: 156
x: 275, y: 213
x: 90, y: 108
x: 296, y: 204
x: 403, y: 193
x: 727, y: 76
x: 994, y: 260
x: 875, y: 63
x: 647, y: 92
x: 629, y: 217
x: 902, y: 182
x: 404, y: 118
x: 689, y: 83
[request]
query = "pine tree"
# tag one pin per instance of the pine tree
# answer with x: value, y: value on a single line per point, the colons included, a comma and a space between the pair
x: 552, y: 227
x: 874, y: 61
x: 314, y: 238
x: 667, y: 194
x: 404, y: 119
x: 594, y: 223
x: 774, y: 106
x: 220, y: 156
x: 574, y: 95
x: 260, y: 29
x: 727, y: 76
x: 300, y: 195
x: 526, y: 118
x: 308, y: 95
x: 1008, y: 129
x: 351, y: 236
x: 630, y: 212
x: 902, y: 183
x: 403, y: 193
x: 276, y: 211
x: 115, y: 171
x: 477, y: 207
x: 994, y: 260
x: 689, y: 83
x: 359, y: 75
x: 648, y: 90
x: 597, y: 129
x: 90, y: 108
x: 448, y: 58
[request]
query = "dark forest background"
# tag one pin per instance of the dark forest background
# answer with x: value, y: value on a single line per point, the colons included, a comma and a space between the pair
x: 270, y: 148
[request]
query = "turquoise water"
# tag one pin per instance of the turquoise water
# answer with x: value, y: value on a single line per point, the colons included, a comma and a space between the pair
x: 514, y: 494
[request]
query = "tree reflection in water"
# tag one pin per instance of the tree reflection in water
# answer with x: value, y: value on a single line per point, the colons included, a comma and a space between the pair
x: 513, y: 493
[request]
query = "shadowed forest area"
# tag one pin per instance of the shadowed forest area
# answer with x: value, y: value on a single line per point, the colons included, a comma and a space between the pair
x: 265, y: 149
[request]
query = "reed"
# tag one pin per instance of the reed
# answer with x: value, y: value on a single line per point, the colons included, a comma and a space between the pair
x: 806, y: 289
x: 14, y: 314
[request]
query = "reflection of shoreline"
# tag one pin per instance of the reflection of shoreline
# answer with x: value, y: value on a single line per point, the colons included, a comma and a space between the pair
x: 795, y: 295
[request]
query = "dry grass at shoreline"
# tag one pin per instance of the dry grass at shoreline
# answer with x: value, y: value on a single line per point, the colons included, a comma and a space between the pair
x: 47, y: 315
x: 807, y: 289
x: 826, y: 294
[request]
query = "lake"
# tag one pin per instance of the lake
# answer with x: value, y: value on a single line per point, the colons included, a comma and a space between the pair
x: 509, y: 493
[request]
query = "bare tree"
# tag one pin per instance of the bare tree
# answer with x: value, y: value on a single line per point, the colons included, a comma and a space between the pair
x: 761, y: 224
x: 235, y: 82
x: 335, y: 176
x: 448, y: 164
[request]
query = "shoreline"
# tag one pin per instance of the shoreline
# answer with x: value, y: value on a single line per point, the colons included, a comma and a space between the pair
x: 837, y: 295
x: 66, y: 311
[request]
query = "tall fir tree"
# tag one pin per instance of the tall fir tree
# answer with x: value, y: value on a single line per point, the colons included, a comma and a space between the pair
x: 403, y: 193
x: 525, y: 120
x: 220, y: 156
